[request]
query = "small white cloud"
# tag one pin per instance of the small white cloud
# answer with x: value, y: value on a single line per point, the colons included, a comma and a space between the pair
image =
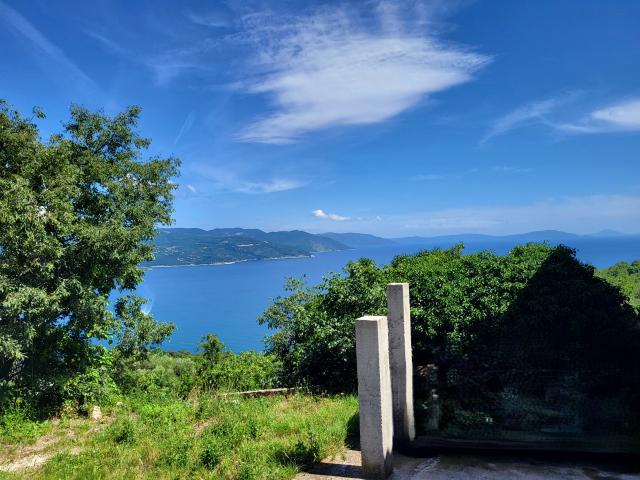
x: 624, y: 115
x: 619, y: 117
x: 191, y: 188
x: 329, y: 216
x: 333, y: 69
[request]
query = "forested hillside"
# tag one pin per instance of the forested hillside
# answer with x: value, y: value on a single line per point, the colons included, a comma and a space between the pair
x: 193, y: 246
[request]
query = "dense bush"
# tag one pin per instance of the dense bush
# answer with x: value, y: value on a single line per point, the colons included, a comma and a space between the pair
x: 536, y: 320
x: 177, y: 374
x: 222, y: 369
x: 159, y: 373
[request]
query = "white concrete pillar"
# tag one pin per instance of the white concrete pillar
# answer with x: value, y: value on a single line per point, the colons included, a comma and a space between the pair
x: 400, y: 361
x: 374, y: 396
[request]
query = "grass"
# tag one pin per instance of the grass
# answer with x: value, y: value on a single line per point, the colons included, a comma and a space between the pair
x: 205, y: 437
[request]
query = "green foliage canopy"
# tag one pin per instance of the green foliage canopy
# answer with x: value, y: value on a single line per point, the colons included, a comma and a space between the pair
x: 77, y: 215
x: 627, y: 277
x: 222, y: 369
x: 480, y: 316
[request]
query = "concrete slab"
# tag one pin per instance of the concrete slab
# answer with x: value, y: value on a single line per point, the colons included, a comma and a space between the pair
x: 466, y: 467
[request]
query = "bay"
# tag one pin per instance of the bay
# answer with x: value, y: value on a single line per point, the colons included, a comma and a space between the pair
x: 227, y: 299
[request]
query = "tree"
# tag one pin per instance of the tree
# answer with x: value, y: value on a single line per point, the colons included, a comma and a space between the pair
x: 77, y: 216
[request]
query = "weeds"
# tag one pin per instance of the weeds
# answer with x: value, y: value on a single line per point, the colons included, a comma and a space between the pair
x: 204, y: 437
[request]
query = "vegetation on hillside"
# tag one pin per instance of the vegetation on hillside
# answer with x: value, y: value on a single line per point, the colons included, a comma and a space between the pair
x: 193, y: 246
x: 163, y: 429
x: 627, y: 277
x: 512, y: 336
x: 164, y: 417
x: 78, y: 215
x: 535, y: 327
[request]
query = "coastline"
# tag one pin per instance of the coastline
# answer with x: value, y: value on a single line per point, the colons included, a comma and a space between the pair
x: 229, y: 263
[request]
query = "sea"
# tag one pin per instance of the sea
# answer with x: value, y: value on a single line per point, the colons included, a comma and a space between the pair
x: 226, y: 300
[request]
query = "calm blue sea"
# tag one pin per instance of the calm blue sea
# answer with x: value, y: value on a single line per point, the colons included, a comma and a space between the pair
x: 227, y: 299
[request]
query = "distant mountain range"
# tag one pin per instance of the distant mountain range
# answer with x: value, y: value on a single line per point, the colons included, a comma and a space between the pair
x: 194, y: 246
x: 537, y: 236
x: 359, y: 240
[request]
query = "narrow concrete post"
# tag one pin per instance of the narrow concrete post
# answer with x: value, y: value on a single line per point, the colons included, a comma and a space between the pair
x: 401, y: 363
x: 374, y: 396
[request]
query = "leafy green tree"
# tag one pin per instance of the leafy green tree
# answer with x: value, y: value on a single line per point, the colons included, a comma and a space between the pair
x: 77, y: 216
x: 314, y: 327
x: 136, y: 331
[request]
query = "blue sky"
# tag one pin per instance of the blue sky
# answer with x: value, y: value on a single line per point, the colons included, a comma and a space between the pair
x: 388, y: 117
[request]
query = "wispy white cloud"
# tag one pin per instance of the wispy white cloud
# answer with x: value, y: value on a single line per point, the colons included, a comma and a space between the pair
x: 108, y: 44
x: 191, y: 188
x: 171, y: 64
x: 428, y: 177
x: 267, y: 186
x: 226, y: 180
x: 623, y: 116
x: 211, y: 19
x: 329, y: 216
x: 186, y: 126
x: 528, y: 114
x: 578, y: 214
x: 332, y: 68
x: 44, y: 47
x: 433, y: 177
x: 511, y: 169
x: 619, y: 117
x: 581, y: 214
x: 185, y: 55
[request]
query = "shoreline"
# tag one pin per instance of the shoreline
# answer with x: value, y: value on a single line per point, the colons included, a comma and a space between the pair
x: 231, y: 262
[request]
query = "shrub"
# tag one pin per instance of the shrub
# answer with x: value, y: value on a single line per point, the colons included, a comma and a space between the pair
x: 93, y: 386
x: 627, y: 277
x: 122, y: 431
x: 167, y: 373
x: 17, y: 425
x: 224, y: 370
